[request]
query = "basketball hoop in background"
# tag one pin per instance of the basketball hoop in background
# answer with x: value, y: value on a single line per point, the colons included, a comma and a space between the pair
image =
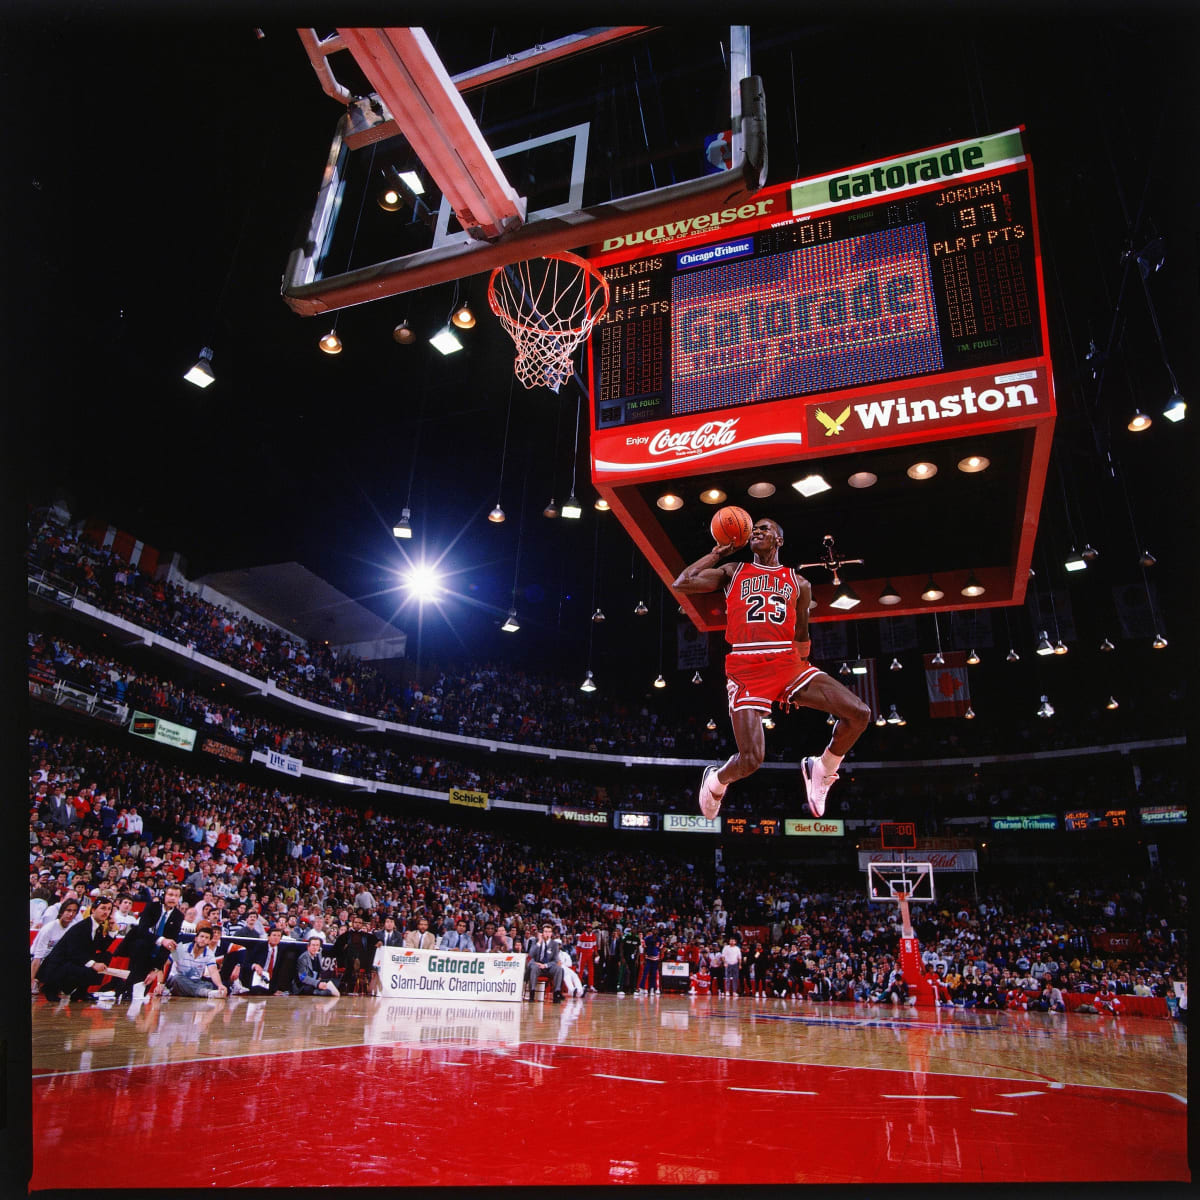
x: 548, y: 306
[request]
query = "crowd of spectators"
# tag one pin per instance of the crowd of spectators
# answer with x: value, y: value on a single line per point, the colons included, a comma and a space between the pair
x: 107, y: 823
x: 994, y: 792
x: 472, y: 699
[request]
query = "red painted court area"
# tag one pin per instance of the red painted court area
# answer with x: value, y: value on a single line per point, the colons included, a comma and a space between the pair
x: 533, y: 1113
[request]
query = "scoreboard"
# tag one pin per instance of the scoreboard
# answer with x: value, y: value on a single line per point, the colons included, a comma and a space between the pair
x: 912, y: 267
x: 1088, y: 818
x: 770, y: 826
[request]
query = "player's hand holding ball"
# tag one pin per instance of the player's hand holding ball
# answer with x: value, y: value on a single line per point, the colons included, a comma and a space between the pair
x: 730, y: 528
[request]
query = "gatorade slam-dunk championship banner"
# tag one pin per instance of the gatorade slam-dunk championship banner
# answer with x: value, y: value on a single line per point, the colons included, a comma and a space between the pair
x: 449, y: 975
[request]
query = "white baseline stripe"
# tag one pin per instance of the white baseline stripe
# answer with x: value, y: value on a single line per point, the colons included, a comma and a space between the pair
x: 530, y: 1063
x: 626, y: 1078
x: 917, y: 1096
x: 775, y: 1091
x: 994, y: 1112
x: 1015, y: 1095
x: 1177, y: 1096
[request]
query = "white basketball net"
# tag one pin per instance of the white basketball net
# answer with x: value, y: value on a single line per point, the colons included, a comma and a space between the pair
x: 548, y: 306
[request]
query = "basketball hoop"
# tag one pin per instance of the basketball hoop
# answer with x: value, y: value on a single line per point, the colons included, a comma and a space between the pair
x: 548, y: 306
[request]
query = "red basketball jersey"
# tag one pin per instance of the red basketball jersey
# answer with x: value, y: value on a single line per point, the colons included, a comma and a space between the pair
x: 760, y: 607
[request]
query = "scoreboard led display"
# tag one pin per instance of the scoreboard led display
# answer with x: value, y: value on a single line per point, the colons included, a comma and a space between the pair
x: 917, y: 267
x: 1111, y: 818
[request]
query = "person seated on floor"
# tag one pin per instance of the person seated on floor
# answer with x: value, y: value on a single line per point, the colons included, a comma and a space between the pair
x: 1106, y: 999
x: 308, y: 973
x: 50, y: 934
x: 572, y: 984
x: 194, y: 970
x: 79, y: 959
x: 262, y: 966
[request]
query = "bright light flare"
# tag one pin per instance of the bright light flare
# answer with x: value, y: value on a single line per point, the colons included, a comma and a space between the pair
x: 423, y: 581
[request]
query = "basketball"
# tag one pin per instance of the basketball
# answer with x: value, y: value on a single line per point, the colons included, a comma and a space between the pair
x: 731, y: 526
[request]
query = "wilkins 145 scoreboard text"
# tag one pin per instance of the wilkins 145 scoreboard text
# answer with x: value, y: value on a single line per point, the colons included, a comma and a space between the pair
x: 908, y: 267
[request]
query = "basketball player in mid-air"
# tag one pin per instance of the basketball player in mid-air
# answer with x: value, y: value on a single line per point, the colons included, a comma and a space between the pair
x: 766, y: 626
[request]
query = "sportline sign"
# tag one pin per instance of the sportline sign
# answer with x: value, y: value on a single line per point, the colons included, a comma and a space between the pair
x: 450, y: 975
x: 868, y: 417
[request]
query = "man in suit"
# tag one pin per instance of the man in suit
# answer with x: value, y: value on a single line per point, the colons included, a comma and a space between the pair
x: 308, y: 972
x: 457, y: 938
x: 389, y: 935
x: 543, y: 960
x: 79, y: 958
x: 420, y: 938
x: 150, y: 943
x: 263, y: 966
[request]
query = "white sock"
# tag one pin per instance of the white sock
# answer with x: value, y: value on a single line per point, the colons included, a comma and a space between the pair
x: 830, y: 762
x: 715, y: 784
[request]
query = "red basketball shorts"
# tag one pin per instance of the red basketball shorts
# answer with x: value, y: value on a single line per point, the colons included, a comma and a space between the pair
x: 756, y: 680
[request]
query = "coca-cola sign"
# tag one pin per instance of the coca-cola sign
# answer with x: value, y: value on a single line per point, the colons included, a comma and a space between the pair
x: 687, y: 442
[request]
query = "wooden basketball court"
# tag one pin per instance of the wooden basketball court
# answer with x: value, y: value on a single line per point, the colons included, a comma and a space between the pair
x: 598, y: 1090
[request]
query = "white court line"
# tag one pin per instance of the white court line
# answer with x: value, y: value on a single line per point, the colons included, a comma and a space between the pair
x: 774, y: 1091
x: 626, y: 1078
x: 1177, y: 1096
x: 994, y: 1112
x: 530, y: 1063
x: 1015, y: 1095
x: 918, y: 1096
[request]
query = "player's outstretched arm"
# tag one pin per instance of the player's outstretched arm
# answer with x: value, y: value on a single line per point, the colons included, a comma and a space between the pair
x: 704, y: 575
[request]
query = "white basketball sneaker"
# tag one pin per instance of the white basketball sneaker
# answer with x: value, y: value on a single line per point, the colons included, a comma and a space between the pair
x: 816, y: 784
x: 710, y: 796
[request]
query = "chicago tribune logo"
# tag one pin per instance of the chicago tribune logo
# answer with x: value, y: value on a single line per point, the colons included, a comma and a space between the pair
x: 708, y: 436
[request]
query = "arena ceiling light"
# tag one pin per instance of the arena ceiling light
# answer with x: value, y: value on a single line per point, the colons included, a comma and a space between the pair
x: 761, y: 490
x: 403, y: 334
x: 669, y: 502
x: 200, y: 372
x: 897, y: 665
x: 424, y: 581
x: 330, y: 343
x: 464, y: 318
x: 551, y: 510
x: 1112, y: 704
x: 713, y: 496
x: 1160, y: 642
x: 863, y: 479
x: 845, y: 599
x: 932, y: 591
x: 973, y: 464
x: 970, y: 713
x: 858, y: 668
x: 1075, y: 561
x: 1138, y: 422
x: 921, y: 470
x: 973, y: 587
x: 588, y: 684
x: 602, y: 505
x: 445, y: 341
x: 973, y: 659
x: 1043, y: 647
x: 572, y: 510
x: 511, y: 624
x: 1047, y: 709
x: 1106, y: 647
x: 889, y: 595
x: 403, y: 527
x: 893, y: 717
x: 811, y: 485
x: 660, y: 682
x: 1176, y: 408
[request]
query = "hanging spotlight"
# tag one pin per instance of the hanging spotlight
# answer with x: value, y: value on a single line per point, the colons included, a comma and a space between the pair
x: 710, y: 724
x: 1138, y: 422
x: 602, y: 505
x: 697, y: 678
x: 496, y: 516
x: 390, y: 200
x: 588, y: 684
x: 403, y: 334
x: 1012, y: 656
x: 598, y: 616
x: 444, y: 341
x: 551, y: 509
x: 902, y: 722
x: 893, y: 717
x: 331, y: 343
x: 1160, y: 642
x: 897, y: 665
x: 844, y: 669
x: 1060, y: 647
x: 845, y: 599
x: 859, y: 668
x: 1176, y: 408
x: 937, y: 660
x: 932, y: 591
x: 768, y: 722
x: 831, y: 719
x: 970, y: 713
x: 1075, y: 561
x: 200, y: 372
x: 712, y: 496
x: 1044, y: 647
x: 640, y: 609
x: 511, y: 625
x: 403, y: 527
x: 889, y: 595
x: 464, y: 318
x: 880, y: 720
x: 973, y: 587
x: 1106, y: 646
x: 1112, y: 703
x: 572, y: 510
x: 811, y: 485
x: 1046, y: 709
x: 1147, y: 559
x: 660, y: 682
x: 1090, y: 554
x: 973, y: 659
